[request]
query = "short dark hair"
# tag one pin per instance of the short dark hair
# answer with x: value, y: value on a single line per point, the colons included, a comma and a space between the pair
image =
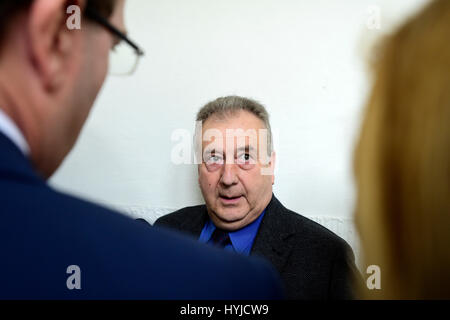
x: 9, y: 8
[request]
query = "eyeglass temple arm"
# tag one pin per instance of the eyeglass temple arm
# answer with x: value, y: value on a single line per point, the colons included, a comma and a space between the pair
x: 104, y: 22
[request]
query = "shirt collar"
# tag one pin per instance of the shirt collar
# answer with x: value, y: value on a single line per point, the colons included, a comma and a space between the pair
x: 12, y: 132
x: 242, y: 239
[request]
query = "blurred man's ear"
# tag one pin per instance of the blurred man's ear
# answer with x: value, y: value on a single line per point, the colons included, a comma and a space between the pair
x: 52, y: 45
x: 273, y: 159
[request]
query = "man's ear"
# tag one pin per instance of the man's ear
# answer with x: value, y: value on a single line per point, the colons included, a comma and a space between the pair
x: 51, y: 43
x: 273, y: 159
x: 198, y: 174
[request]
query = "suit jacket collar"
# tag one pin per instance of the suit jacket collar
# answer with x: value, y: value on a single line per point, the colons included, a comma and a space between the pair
x: 197, y: 222
x: 272, y: 240
x: 14, y: 164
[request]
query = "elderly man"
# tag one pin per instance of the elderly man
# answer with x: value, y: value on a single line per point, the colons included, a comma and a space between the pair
x: 55, y: 246
x: 242, y: 214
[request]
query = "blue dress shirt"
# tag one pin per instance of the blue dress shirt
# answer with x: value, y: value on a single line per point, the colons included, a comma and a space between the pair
x: 241, y: 240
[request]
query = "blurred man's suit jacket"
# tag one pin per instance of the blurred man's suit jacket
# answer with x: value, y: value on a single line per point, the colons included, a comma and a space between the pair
x: 43, y: 232
x: 313, y: 262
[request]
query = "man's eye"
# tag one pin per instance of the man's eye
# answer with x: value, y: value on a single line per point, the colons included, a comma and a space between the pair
x: 214, y: 159
x: 245, y: 157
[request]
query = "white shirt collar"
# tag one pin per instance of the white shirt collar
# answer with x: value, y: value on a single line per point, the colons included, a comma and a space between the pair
x: 10, y: 130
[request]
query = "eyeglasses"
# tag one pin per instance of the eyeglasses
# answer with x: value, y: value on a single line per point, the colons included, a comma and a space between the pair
x: 125, y: 55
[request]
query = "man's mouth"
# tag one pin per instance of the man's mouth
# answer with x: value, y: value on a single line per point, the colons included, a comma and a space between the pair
x: 229, y: 199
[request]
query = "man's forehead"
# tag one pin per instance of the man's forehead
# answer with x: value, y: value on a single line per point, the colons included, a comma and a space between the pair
x: 237, y: 144
x: 219, y: 147
x: 240, y: 131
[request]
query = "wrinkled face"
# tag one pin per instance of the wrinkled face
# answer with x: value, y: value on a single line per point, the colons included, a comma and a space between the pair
x: 236, y: 175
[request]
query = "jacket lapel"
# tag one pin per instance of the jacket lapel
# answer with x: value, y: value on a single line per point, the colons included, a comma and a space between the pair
x: 195, y: 224
x: 13, y: 164
x: 272, y: 240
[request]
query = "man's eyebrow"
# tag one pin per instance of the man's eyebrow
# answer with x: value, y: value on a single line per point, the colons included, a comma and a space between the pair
x: 213, y: 150
x: 246, y: 148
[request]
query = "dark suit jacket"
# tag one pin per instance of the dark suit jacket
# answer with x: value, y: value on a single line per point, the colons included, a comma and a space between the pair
x: 43, y: 231
x: 313, y: 262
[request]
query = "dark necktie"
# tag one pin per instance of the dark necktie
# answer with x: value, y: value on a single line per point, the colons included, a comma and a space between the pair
x: 220, y: 238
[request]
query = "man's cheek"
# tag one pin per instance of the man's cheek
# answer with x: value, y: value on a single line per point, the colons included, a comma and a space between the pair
x: 211, y: 182
x: 208, y: 187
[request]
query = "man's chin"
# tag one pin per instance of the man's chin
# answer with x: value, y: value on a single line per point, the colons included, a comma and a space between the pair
x: 233, y: 226
x: 230, y: 219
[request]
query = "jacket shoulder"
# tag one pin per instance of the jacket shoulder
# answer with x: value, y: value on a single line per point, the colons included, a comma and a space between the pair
x: 319, y: 264
x: 311, y: 234
x: 119, y: 256
x: 177, y: 218
x: 304, y: 224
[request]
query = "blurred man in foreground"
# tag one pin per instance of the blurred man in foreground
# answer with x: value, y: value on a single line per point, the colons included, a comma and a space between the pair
x: 56, y: 246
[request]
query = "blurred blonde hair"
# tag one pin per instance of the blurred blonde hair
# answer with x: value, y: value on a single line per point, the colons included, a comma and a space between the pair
x: 402, y: 161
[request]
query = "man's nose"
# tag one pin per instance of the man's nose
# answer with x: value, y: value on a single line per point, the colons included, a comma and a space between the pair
x: 229, y: 175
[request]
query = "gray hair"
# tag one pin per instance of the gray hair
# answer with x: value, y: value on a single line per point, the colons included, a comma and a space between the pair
x: 230, y: 105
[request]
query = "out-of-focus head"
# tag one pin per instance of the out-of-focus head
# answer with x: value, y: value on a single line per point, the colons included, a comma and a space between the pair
x: 236, y: 173
x: 50, y: 74
x: 402, y: 160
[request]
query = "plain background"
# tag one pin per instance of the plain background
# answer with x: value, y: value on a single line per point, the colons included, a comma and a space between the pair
x: 306, y: 61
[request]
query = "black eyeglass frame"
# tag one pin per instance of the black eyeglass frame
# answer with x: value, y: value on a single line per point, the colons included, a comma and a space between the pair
x: 91, y: 14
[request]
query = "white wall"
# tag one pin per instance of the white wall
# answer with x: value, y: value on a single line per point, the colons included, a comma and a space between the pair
x: 303, y: 59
